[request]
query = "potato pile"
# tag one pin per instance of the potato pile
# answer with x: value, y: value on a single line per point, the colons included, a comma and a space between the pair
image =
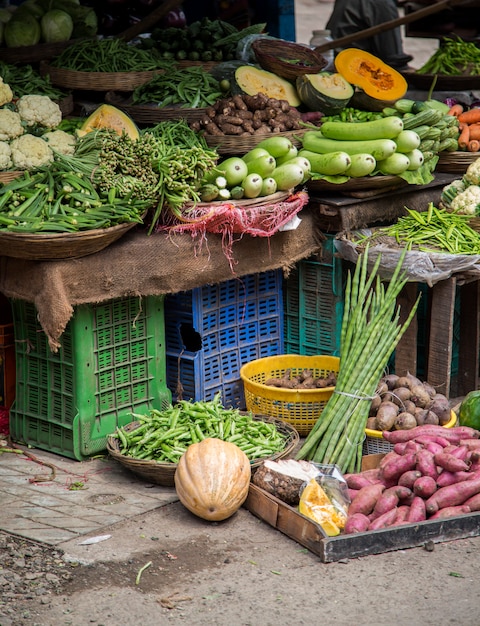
x: 248, y: 115
x: 403, y: 402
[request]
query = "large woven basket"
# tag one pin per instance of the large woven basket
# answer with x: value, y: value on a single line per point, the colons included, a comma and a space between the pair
x: 287, y: 60
x: 299, y: 407
x: 8, y: 176
x: 374, y: 443
x: 164, y: 473
x: 241, y: 144
x: 96, y: 81
x: 150, y: 113
x: 51, y: 246
x: 455, y: 162
x: 34, y: 54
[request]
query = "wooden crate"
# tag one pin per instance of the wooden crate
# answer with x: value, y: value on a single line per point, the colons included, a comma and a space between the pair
x: 306, y: 532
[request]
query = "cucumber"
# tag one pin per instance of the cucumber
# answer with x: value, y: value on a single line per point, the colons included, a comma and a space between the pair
x: 396, y: 163
x: 407, y: 140
x: 362, y: 165
x: 263, y: 165
x: 288, y: 176
x: 252, y: 185
x: 269, y: 186
x: 254, y: 153
x: 276, y: 146
x: 427, y: 116
x: 416, y: 159
x: 383, y: 128
x: 329, y: 164
x: 404, y: 105
x: 380, y: 149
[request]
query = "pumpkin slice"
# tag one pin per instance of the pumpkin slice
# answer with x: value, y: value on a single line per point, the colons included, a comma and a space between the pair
x: 326, y: 92
x: 252, y: 80
x: 371, y: 74
x: 108, y: 116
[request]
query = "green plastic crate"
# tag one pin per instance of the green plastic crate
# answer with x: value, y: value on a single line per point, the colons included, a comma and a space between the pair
x: 111, y: 363
x: 313, y: 304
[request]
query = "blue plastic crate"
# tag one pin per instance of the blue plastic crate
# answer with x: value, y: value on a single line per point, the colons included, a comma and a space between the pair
x: 313, y: 304
x: 111, y: 363
x: 211, y: 331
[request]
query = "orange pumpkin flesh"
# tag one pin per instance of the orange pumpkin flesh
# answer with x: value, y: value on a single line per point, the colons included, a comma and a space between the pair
x: 212, y: 479
x: 376, y: 78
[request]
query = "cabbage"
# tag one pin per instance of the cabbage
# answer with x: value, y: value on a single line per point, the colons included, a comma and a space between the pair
x: 5, y: 16
x: 22, y: 30
x: 57, y: 25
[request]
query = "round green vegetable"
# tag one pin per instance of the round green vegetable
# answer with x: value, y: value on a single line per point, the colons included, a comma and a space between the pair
x: 57, y: 25
x: 22, y: 30
x: 469, y: 413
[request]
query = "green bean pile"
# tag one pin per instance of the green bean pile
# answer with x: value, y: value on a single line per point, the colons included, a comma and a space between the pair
x: 109, y: 55
x: 165, y: 435
x: 454, y: 57
x: 191, y: 87
x: 25, y: 80
x: 435, y: 230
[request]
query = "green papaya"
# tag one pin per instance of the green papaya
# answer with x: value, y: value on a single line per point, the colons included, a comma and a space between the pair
x: 469, y: 412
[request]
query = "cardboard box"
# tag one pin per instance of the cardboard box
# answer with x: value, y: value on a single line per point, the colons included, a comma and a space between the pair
x: 306, y: 532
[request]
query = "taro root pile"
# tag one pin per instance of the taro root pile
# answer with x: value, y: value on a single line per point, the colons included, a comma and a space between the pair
x: 403, y: 402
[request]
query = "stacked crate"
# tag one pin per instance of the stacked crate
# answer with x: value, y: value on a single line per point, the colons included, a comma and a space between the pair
x: 111, y: 363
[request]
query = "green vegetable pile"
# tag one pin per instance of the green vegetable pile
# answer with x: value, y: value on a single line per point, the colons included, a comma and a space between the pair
x: 454, y: 57
x: 165, y: 435
x: 25, y: 79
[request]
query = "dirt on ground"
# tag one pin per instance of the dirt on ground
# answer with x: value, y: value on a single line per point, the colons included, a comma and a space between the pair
x: 169, y: 567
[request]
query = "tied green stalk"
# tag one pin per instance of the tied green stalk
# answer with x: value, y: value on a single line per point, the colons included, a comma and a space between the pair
x: 369, y: 335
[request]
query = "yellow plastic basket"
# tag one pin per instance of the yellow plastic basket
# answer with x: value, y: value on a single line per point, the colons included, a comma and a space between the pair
x: 374, y: 442
x: 299, y: 407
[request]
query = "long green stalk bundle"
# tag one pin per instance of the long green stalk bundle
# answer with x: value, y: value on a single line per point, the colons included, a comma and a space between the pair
x: 370, y: 332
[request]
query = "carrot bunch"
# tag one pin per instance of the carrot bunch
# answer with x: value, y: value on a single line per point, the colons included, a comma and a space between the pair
x: 468, y: 126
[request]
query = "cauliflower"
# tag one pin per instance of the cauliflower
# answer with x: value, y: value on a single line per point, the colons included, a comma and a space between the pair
x: 10, y: 125
x: 467, y: 201
x: 60, y: 141
x: 472, y: 175
x: 41, y: 110
x: 30, y: 152
x: 5, y: 156
x: 450, y: 191
x: 6, y: 93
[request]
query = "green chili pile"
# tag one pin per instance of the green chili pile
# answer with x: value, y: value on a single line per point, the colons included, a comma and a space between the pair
x: 454, y: 57
x: 370, y: 332
x: 165, y: 435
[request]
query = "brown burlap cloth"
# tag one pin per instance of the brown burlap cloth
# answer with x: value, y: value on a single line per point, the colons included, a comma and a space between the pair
x: 146, y: 265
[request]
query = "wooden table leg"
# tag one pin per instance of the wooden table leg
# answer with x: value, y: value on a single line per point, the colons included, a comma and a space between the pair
x: 406, y: 352
x: 440, y: 346
x: 468, y: 353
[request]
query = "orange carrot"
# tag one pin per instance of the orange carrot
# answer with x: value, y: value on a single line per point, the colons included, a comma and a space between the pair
x: 464, y: 136
x: 473, y: 145
x: 474, y: 131
x: 455, y: 109
x: 470, y: 117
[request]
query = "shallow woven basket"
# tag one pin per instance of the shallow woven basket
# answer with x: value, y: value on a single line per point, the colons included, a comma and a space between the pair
x: 163, y: 473
x: 299, y: 407
x: 241, y: 144
x: 150, y: 113
x: 277, y: 55
x: 34, y: 54
x: 7, y: 177
x: 96, y: 81
x: 207, y: 65
x: 47, y: 247
x: 455, y: 162
x: 374, y: 443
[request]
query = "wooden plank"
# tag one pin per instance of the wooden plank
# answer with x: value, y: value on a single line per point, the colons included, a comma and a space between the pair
x: 440, y: 347
x: 468, y: 353
x: 406, y: 351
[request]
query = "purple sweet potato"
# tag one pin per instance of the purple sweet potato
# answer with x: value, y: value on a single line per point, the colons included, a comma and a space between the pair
x: 408, y: 478
x: 356, y: 523
x: 453, y: 495
x: 385, y: 520
x: 446, y: 478
x: 473, y: 502
x: 451, y: 511
x: 366, y: 499
x: 425, y: 486
x: 392, y: 470
x: 417, y: 511
x: 357, y: 481
x: 426, y: 463
x: 450, y: 462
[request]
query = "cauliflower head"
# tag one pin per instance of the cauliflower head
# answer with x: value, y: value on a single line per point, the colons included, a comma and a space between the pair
x: 472, y: 175
x: 467, y: 201
x: 10, y: 125
x: 5, y: 156
x: 60, y: 141
x: 451, y: 191
x: 30, y: 152
x: 41, y: 110
x: 6, y: 93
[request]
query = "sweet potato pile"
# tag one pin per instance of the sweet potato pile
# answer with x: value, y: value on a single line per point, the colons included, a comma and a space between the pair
x: 248, y: 115
x: 431, y: 473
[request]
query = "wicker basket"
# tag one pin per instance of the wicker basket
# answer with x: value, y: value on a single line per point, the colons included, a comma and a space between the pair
x: 163, y: 473
x: 276, y: 55
x: 299, y: 407
x: 455, y: 162
x: 7, y: 177
x: 374, y: 443
x: 51, y: 246
x: 96, y: 81
x: 241, y: 144
x: 152, y: 114
x: 207, y: 65
x: 34, y: 54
